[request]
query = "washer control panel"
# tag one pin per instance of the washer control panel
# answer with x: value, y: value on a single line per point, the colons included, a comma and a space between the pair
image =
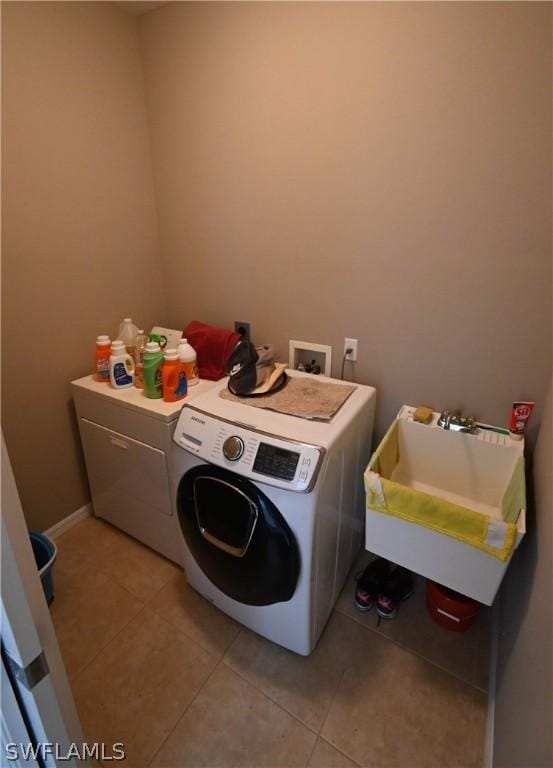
x: 276, y: 462
x: 261, y: 457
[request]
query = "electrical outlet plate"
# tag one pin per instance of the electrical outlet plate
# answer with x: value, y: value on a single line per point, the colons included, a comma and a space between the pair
x: 243, y: 329
x: 351, y: 344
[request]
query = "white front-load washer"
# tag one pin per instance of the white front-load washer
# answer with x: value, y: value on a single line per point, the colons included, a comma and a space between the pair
x: 271, y: 509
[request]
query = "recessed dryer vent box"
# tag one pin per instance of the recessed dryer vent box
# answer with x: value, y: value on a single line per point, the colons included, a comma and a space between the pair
x: 306, y: 351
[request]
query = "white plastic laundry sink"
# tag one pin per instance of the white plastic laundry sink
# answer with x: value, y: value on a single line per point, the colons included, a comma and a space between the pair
x: 470, y: 470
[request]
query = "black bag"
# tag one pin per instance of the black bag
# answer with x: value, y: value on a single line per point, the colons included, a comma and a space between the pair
x: 249, y: 366
x: 241, y: 368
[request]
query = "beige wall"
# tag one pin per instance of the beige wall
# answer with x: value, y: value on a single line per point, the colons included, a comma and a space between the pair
x: 374, y: 170
x: 524, y: 704
x: 381, y: 171
x: 80, y: 246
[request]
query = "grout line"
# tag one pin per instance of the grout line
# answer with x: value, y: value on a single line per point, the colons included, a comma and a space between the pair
x: 80, y: 672
x: 340, y: 750
x: 182, y: 632
x: 327, y: 713
x: 124, y: 587
x: 234, y: 639
x: 311, y: 753
x: 183, y: 637
x: 172, y: 577
x: 310, y: 728
x: 232, y: 642
x: 202, y: 686
x: 407, y: 649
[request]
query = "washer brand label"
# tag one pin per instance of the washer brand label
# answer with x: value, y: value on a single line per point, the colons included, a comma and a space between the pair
x: 200, y: 421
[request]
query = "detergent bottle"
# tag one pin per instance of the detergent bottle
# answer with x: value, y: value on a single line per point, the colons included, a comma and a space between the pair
x: 153, y: 359
x: 139, y: 359
x: 188, y: 357
x: 121, y: 366
x: 101, y: 358
x: 128, y: 333
x: 173, y: 377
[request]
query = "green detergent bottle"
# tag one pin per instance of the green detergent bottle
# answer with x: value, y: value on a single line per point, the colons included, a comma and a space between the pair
x: 153, y: 359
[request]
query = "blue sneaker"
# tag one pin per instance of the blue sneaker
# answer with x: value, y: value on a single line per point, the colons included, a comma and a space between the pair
x: 397, y: 588
x: 370, y: 583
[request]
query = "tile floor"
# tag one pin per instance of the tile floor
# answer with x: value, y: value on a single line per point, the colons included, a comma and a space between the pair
x: 154, y: 665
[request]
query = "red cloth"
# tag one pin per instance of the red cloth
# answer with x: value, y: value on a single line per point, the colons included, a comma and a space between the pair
x: 213, y: 347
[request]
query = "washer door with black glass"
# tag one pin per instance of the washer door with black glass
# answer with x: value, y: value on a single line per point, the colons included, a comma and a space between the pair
x: 237, y: 536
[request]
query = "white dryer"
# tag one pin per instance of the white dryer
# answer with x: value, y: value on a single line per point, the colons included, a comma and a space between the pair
x: 271, y: 509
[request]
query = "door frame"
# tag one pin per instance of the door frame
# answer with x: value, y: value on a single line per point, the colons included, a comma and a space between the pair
x: 29, y: 642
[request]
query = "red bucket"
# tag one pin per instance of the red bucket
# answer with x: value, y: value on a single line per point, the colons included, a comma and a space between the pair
x: 449, y: 609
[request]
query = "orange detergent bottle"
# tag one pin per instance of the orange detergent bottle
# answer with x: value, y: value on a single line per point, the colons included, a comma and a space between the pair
x: 173, y: 377
x: 101, y: 359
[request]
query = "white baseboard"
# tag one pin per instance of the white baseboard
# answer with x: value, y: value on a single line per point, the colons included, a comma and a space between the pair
x: 490, y: 719
x: 68, y: 522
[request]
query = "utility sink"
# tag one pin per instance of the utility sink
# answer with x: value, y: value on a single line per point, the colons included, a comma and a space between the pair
x: 424, y: 486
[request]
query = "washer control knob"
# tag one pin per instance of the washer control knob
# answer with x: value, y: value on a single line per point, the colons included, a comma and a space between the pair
x: 233, y: 448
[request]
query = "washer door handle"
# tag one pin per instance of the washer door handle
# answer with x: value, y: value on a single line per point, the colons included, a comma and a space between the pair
x: 235, y: 551
x: 219, y: 543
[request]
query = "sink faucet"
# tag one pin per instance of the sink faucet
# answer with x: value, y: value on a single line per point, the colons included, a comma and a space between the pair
x: 454, y: 421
